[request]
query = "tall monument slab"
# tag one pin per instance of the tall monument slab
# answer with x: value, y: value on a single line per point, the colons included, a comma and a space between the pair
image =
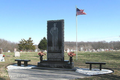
x: 55, y: 40
x: 55, y: 46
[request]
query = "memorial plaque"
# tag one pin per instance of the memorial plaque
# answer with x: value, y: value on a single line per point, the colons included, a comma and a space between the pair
x: 55, y: 40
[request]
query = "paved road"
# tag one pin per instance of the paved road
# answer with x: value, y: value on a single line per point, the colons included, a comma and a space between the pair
x: 38, y: 74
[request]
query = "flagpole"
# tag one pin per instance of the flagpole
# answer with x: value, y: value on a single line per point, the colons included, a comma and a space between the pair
x: 76, y: 36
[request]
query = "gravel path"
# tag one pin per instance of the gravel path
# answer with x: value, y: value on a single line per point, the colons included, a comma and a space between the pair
x: 38, y: 74
x: 31, y: 72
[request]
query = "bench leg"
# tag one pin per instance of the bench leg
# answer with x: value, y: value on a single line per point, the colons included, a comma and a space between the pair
x: 100, y: 66
x: 90, y: 66
x: 19, y: 63
x: 25, y: 63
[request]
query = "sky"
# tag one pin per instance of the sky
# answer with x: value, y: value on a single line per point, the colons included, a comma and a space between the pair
x: 21, y: 19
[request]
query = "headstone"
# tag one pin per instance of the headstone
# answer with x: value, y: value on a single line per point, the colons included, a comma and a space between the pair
x: 0, y: 50
x: 81, y: 49
x: 15, y: 49
x: 102, y: 49
x: 98, y: 50
x: 45, y: 51
x: 36, y: 50
x: 21, y: 51
x: 71, y: 50
x: 93, y: 50
x: 68, y: 50
x: 2, y: 58
x: 55, y: 46
x: 8, y: 50
x: 17, y: 54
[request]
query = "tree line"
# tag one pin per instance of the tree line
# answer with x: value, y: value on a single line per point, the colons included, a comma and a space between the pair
x: 23, y: 45
x: 27, y: 45
x: 7, y: 45
x: 94, y: 45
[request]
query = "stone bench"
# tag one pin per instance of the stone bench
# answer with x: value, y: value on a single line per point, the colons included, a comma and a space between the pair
x: 20, y: 60
x: 100, y: 63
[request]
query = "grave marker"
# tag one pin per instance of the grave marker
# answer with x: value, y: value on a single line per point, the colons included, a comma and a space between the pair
x: 55, y: 46
x: 0, y: 50
x: 17, y: 54
x: 1, y: 56
x: 15, y: 49
x: 55, y: 40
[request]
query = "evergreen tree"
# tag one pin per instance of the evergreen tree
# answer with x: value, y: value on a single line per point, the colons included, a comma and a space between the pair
x: 21, y: 44
x: 43, y: 44
x: 26, y: 45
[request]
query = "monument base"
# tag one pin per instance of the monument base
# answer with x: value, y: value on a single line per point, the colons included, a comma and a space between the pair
x: 56, y: 64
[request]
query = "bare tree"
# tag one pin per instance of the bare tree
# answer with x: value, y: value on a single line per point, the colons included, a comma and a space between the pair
x: 7, y: 45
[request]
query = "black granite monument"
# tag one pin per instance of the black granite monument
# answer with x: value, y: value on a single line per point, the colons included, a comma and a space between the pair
x: 55, y: 42
x: 55, y: 46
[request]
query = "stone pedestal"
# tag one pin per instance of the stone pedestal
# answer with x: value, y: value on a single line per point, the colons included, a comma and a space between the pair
x: 56, y: 64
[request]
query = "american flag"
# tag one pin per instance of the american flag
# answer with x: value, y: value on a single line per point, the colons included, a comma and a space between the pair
x: 80, y: 12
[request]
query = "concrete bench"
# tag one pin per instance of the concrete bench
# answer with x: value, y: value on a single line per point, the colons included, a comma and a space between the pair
x: 100, y: 63
x: 20, y: 60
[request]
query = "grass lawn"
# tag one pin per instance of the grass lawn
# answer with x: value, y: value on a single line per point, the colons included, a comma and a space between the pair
x: 112, y: 60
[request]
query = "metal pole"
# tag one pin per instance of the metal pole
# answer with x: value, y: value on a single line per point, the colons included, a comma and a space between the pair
x: 76, y: 36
